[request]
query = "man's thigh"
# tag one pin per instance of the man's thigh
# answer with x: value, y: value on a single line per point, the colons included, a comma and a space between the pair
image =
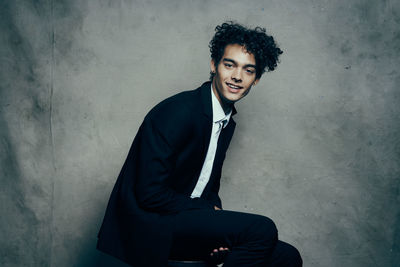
x: 197, y: 232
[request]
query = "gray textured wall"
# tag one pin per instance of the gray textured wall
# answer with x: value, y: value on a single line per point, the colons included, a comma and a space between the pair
x: 316, y: 147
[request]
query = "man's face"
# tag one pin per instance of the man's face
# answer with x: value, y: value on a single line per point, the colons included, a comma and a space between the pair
x: 234, y: 75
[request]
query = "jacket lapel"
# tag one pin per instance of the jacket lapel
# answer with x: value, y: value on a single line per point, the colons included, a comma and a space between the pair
x: 225, y: 138
x: 205, y: 95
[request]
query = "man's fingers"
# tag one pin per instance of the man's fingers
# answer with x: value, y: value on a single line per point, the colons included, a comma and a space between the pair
x: 219, y: 254
x: 219, y: 250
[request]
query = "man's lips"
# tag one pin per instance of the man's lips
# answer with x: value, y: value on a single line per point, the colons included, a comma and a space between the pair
x: 233, y: 88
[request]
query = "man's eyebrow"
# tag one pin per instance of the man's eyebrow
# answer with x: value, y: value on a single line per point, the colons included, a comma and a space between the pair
x: 234, y: 62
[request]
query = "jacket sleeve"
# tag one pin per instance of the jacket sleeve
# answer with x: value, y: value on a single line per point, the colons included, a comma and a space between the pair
x: 155, y: 164
x: 213, y: 196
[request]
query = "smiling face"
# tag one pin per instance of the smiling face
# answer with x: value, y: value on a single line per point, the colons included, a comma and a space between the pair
x: 234, y: 75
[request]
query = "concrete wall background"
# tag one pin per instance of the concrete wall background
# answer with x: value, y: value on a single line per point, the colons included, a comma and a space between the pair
x: 316, y: 148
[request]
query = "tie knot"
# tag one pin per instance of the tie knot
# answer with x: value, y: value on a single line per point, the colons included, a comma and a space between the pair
x: 223, y: 123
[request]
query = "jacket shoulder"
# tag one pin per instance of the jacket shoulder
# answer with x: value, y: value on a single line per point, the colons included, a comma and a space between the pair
x: 180, y: 107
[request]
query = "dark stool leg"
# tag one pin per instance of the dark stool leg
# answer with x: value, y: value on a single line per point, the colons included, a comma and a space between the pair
x: 174, y: 263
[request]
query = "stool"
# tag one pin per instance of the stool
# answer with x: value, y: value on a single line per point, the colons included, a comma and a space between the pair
x: 175, y: 263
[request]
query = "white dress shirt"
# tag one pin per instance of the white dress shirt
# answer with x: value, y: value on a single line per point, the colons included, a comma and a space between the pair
x: 220, y: 119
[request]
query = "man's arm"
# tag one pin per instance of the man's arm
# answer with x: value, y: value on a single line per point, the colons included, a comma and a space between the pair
x: 213, y: 196
x: 154, y: 168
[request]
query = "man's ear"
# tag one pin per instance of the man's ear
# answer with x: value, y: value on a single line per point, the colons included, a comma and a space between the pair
x: 256, y: 81
x: 212, y: 65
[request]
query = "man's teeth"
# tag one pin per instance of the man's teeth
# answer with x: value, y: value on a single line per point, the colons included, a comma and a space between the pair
x: 232, y: 86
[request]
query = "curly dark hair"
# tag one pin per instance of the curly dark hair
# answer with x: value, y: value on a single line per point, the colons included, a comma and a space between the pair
x: 255, y: 41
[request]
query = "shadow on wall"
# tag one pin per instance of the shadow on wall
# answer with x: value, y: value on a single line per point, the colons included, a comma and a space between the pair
x: 25, y: 187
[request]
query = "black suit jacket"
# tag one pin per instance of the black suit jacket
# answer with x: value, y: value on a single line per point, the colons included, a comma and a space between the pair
x: 158, y: 177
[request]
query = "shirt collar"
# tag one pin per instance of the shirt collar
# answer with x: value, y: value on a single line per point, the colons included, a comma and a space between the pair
x: 218, y: 112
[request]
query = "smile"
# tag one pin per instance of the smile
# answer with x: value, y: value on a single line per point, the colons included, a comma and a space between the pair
x: 234, y: 86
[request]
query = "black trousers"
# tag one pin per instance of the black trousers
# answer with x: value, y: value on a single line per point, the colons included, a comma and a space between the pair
x: 252, y: 239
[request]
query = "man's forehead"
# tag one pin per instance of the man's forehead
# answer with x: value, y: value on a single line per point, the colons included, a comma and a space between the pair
x: 239, y: 54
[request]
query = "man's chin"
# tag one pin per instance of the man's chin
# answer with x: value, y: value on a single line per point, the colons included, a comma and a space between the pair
x: 230, y: 100
x: 234, y: 97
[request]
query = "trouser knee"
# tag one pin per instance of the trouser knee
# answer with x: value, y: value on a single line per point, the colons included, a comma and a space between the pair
x: 264, y: 230
x: 289, y: 255
x: 295, y: 256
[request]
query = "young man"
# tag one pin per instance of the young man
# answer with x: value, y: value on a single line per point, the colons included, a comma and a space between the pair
x: 165, y: 202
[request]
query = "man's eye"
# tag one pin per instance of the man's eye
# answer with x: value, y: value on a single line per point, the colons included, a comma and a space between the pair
x: 250, y: 71
x: 228, y: 65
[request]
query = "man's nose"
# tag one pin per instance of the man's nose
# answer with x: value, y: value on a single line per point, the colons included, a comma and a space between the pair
x: 237, y: 75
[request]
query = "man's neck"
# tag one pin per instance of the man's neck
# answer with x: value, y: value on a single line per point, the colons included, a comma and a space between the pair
x: 226, y: 106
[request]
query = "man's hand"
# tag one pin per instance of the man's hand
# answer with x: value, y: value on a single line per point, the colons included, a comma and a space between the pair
x: 218, y: 255
x: 216, y: 208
